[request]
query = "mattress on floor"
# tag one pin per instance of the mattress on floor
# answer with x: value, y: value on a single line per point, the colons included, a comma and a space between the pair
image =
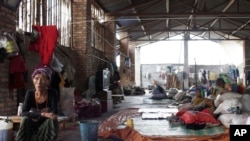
x: 144, y: 130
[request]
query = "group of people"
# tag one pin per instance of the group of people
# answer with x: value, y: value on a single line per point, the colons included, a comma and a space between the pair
x: 201, y: 103
x: 40, y: 106
x: 158, y: 91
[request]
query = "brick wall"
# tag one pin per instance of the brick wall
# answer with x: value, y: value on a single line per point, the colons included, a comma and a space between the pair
x: 127, y: 74
x: 109, y: 45
x: 8, y: 19
x: 80, y: 43
x: 87, y: 62
x: 8, y: 104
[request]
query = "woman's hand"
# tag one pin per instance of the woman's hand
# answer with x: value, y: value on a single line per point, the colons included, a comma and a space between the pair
x: 49, y: 115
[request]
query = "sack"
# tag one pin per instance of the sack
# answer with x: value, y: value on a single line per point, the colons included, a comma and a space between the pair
x: 229, y: 106
x: 220, y: 98
x: 67, y: 102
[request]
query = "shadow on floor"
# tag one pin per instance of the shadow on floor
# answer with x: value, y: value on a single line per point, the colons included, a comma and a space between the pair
x: 72, y: 133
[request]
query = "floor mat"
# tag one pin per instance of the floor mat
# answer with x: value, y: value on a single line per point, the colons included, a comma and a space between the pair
x: 157, y: 130
x: 164, y: 128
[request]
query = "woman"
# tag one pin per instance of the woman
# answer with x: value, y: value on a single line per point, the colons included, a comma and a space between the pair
x: 40, y: 108
x: 199, y: 103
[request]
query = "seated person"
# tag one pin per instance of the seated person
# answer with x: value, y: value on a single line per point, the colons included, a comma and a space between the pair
x: 223, y: 86
x: 199, y: 103
x: 39, y: 111
x: 158, y: 92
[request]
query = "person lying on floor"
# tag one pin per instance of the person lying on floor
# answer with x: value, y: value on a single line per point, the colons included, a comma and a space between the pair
x: 158, y: 92
x: 39, y: 111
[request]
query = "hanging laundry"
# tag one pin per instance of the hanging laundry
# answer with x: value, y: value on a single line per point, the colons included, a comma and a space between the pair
x: 148, y: 76
x: 127, y: 62
x: 8, y: 42
x: 45, y: 43
x: 17, y: 73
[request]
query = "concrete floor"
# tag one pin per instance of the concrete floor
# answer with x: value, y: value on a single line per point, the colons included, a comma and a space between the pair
x: 73, y: 133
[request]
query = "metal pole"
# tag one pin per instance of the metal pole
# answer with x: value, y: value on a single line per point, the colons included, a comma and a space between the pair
x: 195, y: 73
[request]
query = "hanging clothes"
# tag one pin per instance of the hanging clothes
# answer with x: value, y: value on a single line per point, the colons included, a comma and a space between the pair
x: 45, y: 43
x: 3, y: 54
x: 17, y: 73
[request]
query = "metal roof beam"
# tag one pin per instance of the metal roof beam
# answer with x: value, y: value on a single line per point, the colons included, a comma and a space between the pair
x: 191, y: 30
x: 198, y: 15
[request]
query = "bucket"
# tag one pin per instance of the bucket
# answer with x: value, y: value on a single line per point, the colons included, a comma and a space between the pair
x: 6, y: 130
x: 89, y: 130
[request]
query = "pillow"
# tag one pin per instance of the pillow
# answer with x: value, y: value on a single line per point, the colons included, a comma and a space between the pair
x: 221, y: 97
x: 179, y: 96
x: 172, y: 92
x: 226, y: 105
x: 245, y: 101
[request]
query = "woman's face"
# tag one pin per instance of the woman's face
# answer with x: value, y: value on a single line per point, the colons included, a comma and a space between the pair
x: 198, y: 93
x: 40, y: 82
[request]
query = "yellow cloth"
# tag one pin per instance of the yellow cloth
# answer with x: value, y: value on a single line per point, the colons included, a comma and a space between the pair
x: 62, y: 82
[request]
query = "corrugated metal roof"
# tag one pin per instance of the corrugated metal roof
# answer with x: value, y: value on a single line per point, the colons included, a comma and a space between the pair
x: 155, y: 20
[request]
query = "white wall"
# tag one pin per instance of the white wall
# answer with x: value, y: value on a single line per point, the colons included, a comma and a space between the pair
x: 199, y: 52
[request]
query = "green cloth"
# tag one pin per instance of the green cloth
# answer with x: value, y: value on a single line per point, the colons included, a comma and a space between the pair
x: 47, y: 131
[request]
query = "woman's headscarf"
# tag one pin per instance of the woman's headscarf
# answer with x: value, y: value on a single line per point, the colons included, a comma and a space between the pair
x: 45, y: 70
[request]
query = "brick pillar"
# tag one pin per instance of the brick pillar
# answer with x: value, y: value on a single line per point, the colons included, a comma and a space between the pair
x: 110, y: 39
x: 131, y: 49
x: 81, y: 15
x: 124, y: 49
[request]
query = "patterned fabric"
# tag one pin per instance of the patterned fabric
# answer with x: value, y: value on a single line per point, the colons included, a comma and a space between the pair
x: 30, y: 131
x: 42, y: 70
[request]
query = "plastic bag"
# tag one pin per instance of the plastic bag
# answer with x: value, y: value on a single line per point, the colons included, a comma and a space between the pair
x: 10, y: 45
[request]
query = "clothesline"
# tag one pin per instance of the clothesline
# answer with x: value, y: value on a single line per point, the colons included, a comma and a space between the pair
x: 106, y: 42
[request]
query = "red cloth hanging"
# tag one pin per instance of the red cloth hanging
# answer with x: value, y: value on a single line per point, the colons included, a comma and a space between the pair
x: 45, y: 43
x: 17, y: 71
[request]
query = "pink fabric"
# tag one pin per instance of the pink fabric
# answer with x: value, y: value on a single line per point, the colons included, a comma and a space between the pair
x: 45, y: 43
